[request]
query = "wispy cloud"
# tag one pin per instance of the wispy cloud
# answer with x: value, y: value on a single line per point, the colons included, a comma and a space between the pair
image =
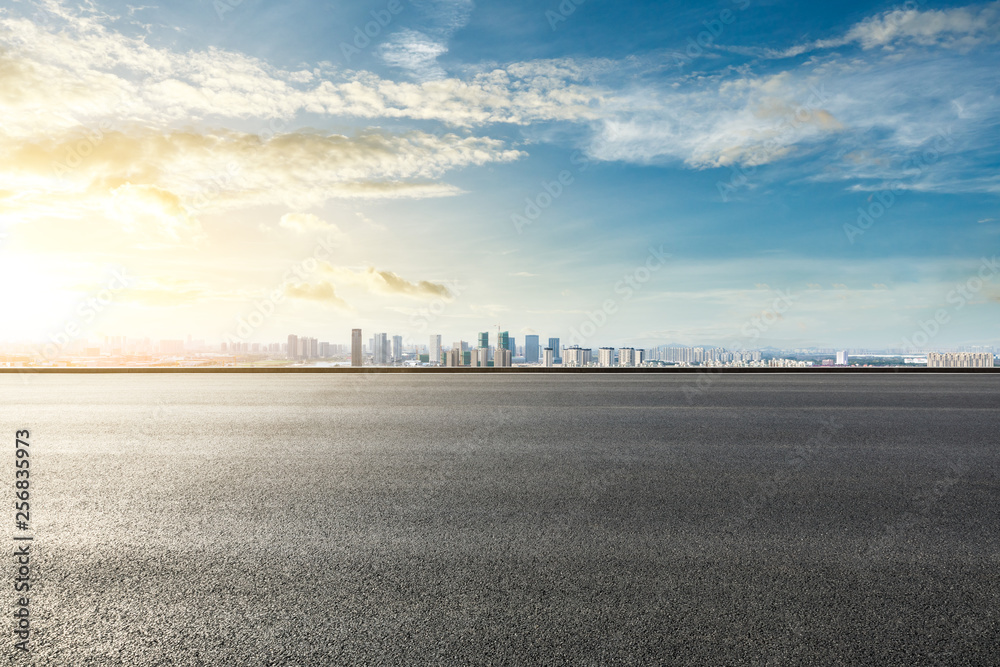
x: 959, y: 28
x: 322, y: 292
x: 417, y: 50
x: 387, y: 282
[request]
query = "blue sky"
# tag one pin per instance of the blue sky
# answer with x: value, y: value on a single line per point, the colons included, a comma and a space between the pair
x: 841, y: 156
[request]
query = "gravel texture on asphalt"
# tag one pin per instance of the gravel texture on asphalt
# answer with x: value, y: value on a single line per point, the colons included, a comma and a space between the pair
x: 795, y: 519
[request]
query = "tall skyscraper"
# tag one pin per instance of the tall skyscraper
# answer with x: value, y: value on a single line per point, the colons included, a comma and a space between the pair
x: 531, y: 349
x: 484, y: 339
x: 356, y: 358
x: 434, y: 350
x: 556, y: 352
x: 605, y: 357
x: 397, y: 349
x: 502, y: 358
x: 293, y: 346
x: 380, y: 351
x: 504, y: 342
x: 549, y: 359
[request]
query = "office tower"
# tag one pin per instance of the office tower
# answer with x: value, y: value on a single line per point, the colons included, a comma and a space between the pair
x: 531, y: 349
x: 606, y: 357
x: 548, y: 357
x: 512, y: 346
x: 842, y: 358
x: 627, y: 357
x: 293, y: 346
x: 434, y: 351
x: 960, y: 360
x: 380, y: 349
x: 504, y: 341
x: 556, y: 352
x: 356, y: 347
x: 397, y: 348
x: 484, y: 339
x: 502, y: 358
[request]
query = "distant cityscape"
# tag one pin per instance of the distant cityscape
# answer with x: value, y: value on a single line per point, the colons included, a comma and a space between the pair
x: 496, y: 349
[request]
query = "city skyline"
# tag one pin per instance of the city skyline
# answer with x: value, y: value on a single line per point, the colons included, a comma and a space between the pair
x: 631, y: 174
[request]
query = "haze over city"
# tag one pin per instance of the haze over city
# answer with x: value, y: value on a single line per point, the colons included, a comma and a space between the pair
x: 442, y: 166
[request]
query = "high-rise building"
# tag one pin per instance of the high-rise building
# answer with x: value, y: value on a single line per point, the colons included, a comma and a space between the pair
x: 627, y: 357
x: 606, y: 357
x: 356, y: 358
x: 549, y: 357
x: 502, y: 358
x: 434, y: 350
x: 531, y: 349
x: 293, y: 346
x: 454, y: 357
x: 503, y: 341
x: 556, y: 352
x: 479, y: 358
x: 380, y: 349
x: 577, y: 357
x: 842, y: 358
x: 960, y: 360
x: 397, y: 348
x: 484, y: 339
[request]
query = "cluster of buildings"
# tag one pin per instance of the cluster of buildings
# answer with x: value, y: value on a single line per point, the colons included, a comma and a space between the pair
x: 960, y: 360
x: 496, y: 350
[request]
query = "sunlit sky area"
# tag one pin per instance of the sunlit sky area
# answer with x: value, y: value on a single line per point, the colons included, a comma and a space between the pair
x: 628, y: 173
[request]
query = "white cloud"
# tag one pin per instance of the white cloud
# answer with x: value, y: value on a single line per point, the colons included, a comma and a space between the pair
x: 305, y: 223
x: 388, y: 283
x: 156, y: 183
x: 959, y: 28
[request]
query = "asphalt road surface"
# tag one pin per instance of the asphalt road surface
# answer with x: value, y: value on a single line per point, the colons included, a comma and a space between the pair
x: 795, y: 519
